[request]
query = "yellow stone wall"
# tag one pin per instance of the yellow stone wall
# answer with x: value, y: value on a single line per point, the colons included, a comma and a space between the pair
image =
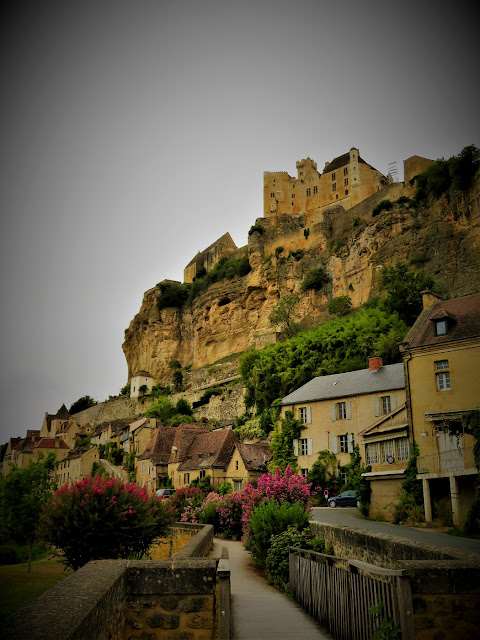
x: 385, y: 493
x: 322, y: 427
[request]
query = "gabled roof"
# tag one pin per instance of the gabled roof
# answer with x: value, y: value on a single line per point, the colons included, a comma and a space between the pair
x: 49, y: 443
x: 210, y: 450
x: 225, y: 238
x: 134, y: 426
x: 255, y: 456
x: 352, y: 383
x: 159, y: 448
x: 463, y: 317
x: 143, y: 374
x: 342, y: 161
x: 387, y: 423
x: 26, y: 444
x: 184, y: 436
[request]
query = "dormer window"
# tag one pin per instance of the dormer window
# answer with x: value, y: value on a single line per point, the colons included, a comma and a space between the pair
x: 441, y: 328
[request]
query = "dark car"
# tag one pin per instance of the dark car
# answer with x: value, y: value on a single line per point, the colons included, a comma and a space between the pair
x: 165, y: 493
x: 344, y: 499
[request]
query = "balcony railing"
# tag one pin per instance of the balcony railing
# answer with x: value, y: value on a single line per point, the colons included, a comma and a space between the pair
x: 454, y: 460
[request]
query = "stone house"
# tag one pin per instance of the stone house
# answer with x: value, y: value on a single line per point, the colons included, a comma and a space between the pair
x: 7, y: 458
x: 208, y: 455
x: 140, y: 434
x: 385, y: 446
x: 52, y: 423
x: 209, y: 257
x: 335, y: 409
x: 76, y: 465
x: 139, y: 380
x: 22, y: 452
x: 346, y: 180
x: 51, y: 445
x: 441, y: 355
x: 248, y: 462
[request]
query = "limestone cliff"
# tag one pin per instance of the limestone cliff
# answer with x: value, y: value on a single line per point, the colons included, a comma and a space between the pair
x: 442, y: 239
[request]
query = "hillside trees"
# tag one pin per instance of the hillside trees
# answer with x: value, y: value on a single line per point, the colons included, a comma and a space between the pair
x: 343, y: 344
x: 284, y: 314
x: 404, y: 291
x: 85, y: 402
x: 23, y: 495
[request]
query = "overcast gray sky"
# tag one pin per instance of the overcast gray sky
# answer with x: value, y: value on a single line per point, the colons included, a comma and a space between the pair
x: 134, y: 133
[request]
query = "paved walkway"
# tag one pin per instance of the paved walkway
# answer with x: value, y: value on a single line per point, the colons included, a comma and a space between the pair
x: 350, y: 517
x: 259, y: 611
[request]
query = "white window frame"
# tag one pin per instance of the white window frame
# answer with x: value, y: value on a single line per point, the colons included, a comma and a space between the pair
x: 305, y: 415
x: 304, y: 473
x: 343, y: 443
x: 371, y: 453
x: 237, y: 485
x: 443, y: 381
x: 387, y: 449
x: 341, y: 410
x: 386, y: 404
x: 441, y: 328
x: 442, y: 365
x: 403, y: 449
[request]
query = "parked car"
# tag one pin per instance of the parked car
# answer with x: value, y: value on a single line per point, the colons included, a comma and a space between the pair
x: 165, y: 493
x: 344, y: 499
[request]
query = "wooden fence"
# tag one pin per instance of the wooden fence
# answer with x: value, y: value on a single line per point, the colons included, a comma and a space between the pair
x: 338, y: 593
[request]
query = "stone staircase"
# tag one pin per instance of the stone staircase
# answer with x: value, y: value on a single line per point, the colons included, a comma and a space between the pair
x: 115, y: 472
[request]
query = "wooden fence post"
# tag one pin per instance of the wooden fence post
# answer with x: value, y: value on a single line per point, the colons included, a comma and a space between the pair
x: 223, y: 578
x: 405, y: 607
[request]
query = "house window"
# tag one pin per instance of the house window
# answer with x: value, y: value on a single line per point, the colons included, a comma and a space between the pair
x: 202, y: 474
x: 304, y: 473
x: 386, y: 404
x: 341, y: 410
x: 315, y: 189
x: 334, y: 186
x: 143, y: 466
x: 345, y: 182
x: 333, y: 175
x: 237, y: 485
x: 441, y: 328
x: 443, y: 379
x: 186, y: 478
x: 236, y: 465
x: 372, y: 453
x: 304, y: 447
x: 343, y: 443
x: 309, y: 191
x: 403, y: 449
x: 387, y: 451
x: 305, y: 415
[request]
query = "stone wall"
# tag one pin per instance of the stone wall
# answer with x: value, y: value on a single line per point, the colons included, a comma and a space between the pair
x: 444, y: 583
x: 178, y: 599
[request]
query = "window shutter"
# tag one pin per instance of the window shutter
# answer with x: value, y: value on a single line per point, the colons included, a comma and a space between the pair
x: 393, y: 402
x: 295, y: 447
x: 310, y: 447
x: 334, y: 444
x: 309, y: 415
x: 334, y: 412
x: 350, y: 442
x: 377, y: 406
x: 348, y: 407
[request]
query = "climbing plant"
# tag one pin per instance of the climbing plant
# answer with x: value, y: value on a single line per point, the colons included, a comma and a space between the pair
x: 282, y: 443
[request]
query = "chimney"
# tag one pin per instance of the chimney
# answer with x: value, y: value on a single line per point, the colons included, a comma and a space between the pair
x: 374, y: 364
x: 429, y: 299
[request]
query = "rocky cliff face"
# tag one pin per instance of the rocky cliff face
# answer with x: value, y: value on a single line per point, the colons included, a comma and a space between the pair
x: 443, y: 240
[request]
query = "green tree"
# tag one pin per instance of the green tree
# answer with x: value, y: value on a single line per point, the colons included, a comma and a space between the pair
x: 23, y: 495
x: 284, y: 314
x: 282, y: 443
x: 125, y: 391
x: 183, y: 407
x: 339, y: 306
x: 404, y: 291
x: 315, y: 279
x: 85, y: 402
x: 162, y: 409
x: 177, y: 379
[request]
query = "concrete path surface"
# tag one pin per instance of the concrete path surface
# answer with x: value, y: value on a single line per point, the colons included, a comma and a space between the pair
x: 259, y: 611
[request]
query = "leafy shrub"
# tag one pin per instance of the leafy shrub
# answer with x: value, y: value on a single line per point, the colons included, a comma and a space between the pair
x: 94, y: 520
x: 183, y: 407
x: 419, y: 259
x: 404, y: 291
x: 297, y: 254
x: 357, y: 222
x: 256, y: 228
x: 172, y: 294
x: 277, y: 563
x: 282, y: 443
x: 125, y: 391
x: 205, y: 397
x: 278, y: 251
x: 225, y: 512
x: 315, y: 279
x: 175, y: 364
x: 177, y: 379
x: 269, y: 519
x: 407, y: 510
x: 162, y: 409
x: 339, y: 306
x: 85, y: 402
x: 306, y: 232
x: 383, y: 205
x: 11, y: 553
x: 225, y: 269
x: 202, y: 483
x: 225, y: 488
x: 404, y: 200
x: 457, y: 173
x: 186, y: 497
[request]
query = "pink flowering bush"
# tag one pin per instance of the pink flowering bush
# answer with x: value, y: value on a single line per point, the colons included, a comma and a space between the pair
x: 225, y: 513
x: 93, y: 520
x: 183, y: 498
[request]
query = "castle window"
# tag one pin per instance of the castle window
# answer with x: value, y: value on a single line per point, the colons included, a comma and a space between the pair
x: 336, y: 196
x: 309, y: 191
x: 315, y: 189
x: 345, y: 182
x: 272, y: 194
x: 293, y: 195
x: 334, y: 186
x: 333, y: 175
x: 346, y: 192
x: 345, y: 171
x: 301, y: 173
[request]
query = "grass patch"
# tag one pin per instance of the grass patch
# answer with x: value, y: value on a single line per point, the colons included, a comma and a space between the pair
x: 18, y: 587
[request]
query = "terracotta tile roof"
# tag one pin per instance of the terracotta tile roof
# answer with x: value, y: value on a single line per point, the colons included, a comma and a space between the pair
x: 462, y: 315
x: 209, y: 450
x: 26, y: 444
x: 255, y: 456
x: 159, y: 448
x: 49, y: 443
